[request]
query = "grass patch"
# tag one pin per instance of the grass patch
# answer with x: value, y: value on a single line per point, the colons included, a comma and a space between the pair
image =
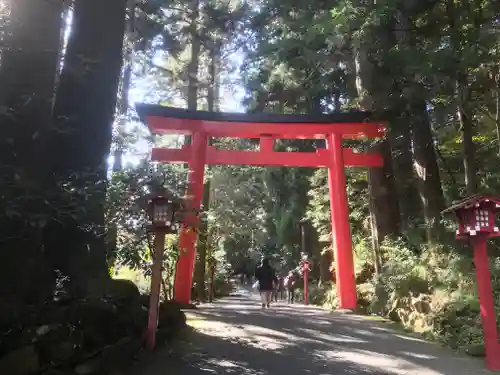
x: 398, y: 327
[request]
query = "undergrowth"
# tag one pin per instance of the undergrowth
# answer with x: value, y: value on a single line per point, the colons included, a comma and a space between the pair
x: 431, y: 290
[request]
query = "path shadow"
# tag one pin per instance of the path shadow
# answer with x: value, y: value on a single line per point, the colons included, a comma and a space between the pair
x: 209, y: 354
x: 353, y: 341
x: 234, y: 336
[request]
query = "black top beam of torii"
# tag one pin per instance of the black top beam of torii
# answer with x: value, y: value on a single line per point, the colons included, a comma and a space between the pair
x: 147, y: 110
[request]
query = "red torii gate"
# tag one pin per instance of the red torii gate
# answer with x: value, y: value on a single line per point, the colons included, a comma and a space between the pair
x: 267, y: 127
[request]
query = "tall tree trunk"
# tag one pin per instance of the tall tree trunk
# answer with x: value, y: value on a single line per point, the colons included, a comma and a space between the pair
x: 123, y: 92
x: 28, y: 72
x: 426, y: 168
x: 424, y: 153
x: 65, y: 23
x: 30, y: 54
x: 467, y: 128
x: 496, y: 77
x: 194, y: 61
x: 202, y: 245
x: 192, y: 89
x: 464, y: 113
x: 402, y: 160
x: 84, y: 111
x: 122, y: 108
x: 203, y: 242
x: 385, y: 214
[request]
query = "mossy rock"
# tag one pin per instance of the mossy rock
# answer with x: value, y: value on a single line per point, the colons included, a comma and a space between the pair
x: 366, y: 273
x: 21, y: 361
x: 122, y: 290
x: 171, y: 317
x: 475, y: 350
x: 394, y: 316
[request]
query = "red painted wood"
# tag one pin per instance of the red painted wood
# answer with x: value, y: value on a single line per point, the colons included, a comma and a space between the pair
x: 320, y: 158
x: 266, y: 144
x: 187, y: 240
x: 335, y: 159
x: 341, y: 231
x: 158, y: 124
x: 486, y: 302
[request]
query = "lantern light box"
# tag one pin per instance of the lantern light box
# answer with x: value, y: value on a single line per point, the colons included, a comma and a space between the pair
x: 476, y: 215
x: 162, y: 214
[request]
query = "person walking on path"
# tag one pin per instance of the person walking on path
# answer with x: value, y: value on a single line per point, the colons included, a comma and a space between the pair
x: 290, y: 284
x: 266, y: 276
x: 279, y: 290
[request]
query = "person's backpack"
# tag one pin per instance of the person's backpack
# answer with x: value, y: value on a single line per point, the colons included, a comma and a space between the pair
x: 289, y: 282
x: 285, y: 282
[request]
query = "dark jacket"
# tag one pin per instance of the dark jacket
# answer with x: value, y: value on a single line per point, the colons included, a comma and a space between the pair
x: 266, y: 276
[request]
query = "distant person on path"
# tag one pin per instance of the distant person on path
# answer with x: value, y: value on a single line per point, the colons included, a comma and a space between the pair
x: 279, y: 290
x: 290, y: 283
x: 266, y: 276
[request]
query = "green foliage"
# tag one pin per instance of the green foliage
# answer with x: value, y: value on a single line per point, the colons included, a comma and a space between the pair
x: 449, y: 323
x: 127, y: 196
x: 323, y: 295
x: 404, y: 275
x: 444, y: 280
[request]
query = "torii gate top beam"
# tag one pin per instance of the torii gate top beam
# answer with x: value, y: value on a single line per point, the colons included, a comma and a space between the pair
x: 355, y: 124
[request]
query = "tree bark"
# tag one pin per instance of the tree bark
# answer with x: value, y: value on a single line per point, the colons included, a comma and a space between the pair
x: 203, y: 241
x: 122, y: 108
x: 467, y: 128
x: 497, y: 104
x: 194, y: 62
x: 464, y: 112
x: 327, y: 266
x: 402, y: 160
x: 28, y: 73
x: 427, y: 169
x: 385, y: 213
x: 30, y: 54
x: 84, y: 111
x: 192, y: 104
x: 424, y: 153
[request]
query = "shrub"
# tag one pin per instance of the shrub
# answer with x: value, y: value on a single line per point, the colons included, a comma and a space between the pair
x: 323, y: 295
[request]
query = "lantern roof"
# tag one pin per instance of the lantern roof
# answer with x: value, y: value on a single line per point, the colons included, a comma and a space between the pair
x: 471, y: 202
x: 162, y: 194
x: 165, y: 196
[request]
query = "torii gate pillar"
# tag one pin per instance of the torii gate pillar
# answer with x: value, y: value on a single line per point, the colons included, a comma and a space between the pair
x: 187, y: 240
x: 341, y: 231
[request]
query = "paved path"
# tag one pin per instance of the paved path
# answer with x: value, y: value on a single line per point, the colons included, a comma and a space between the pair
x: 234, y: 336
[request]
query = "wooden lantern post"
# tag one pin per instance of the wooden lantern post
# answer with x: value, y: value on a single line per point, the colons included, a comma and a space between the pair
x: 161, y: 212
x: 476, y: 223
